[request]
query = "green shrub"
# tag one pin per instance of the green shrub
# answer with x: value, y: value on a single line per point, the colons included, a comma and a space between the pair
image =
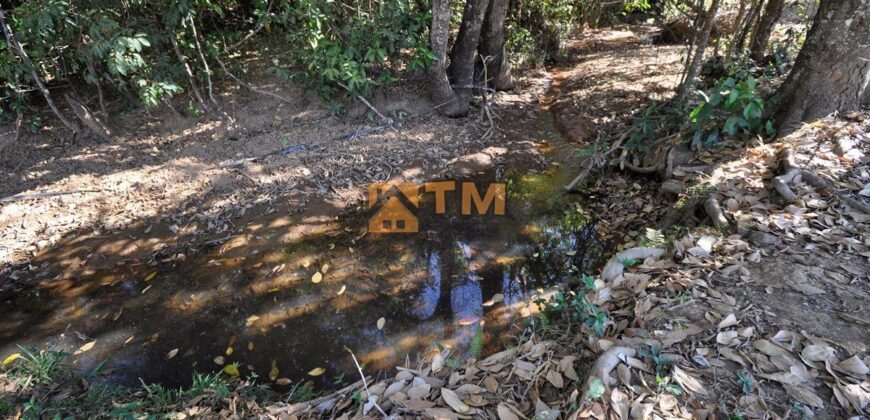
x: 731, y: 108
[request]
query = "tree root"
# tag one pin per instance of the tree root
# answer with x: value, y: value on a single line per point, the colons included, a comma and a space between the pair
x: 714, y: 210
x: 615, y: 265
x: 780, y: 184
x: 604, y: 365
x: 793, y: 171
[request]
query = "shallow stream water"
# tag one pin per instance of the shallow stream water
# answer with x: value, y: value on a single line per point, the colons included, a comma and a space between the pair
x: 251, y: 300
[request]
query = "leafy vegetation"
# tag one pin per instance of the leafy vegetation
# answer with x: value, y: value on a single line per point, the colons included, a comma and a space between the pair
x: 39, y: 378
x: 575, y: 305
x: 731, y: 108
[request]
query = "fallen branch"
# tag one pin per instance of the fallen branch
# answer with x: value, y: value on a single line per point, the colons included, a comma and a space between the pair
x: 249, y: 86
x: 22, y: 197
x: 370, y: 398
x: 190, y: 79
x: 384, y: 118
x: 88, y: 118
x: 204, y: 61
x: 597, y: 161
x: 300, y: 407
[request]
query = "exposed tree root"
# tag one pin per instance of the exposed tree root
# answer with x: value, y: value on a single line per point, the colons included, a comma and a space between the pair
x: 793, y: 171
x: 604, y: 365
x: 714, y: 210
x: 616, y: 265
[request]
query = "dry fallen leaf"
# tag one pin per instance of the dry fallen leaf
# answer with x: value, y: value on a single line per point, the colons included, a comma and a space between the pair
x: 341, y: 291
x: 317, y: 277
x: 381, y: 323
x: 316, y: 371
x: 85, y: 347
x: 505, y: 413
x: 454, y: 402
x: 283, y: 381
x: 171, y: 353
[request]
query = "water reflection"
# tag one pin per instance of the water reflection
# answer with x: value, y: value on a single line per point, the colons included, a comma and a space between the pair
x: 427, y: 302
x: 261, y: 300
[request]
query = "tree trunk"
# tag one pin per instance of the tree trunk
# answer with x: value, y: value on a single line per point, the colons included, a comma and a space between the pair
x: 764, y: 28
x: 832, y: 70
x: 16, y: 49
x: 492, y: 45
x: 464, y: 51
x: 439, y: 85
x: 695, y: 65
x: 746, y: 27
x: 741, y: 14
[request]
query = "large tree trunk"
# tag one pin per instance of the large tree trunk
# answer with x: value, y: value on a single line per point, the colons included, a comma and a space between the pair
x: 439, y: 85
x: 492, y: 46
x: 832, y: 71
x: 464, y: 51
x: 761, y: 35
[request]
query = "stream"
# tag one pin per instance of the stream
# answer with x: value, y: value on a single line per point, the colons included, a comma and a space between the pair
x: 253, y: 299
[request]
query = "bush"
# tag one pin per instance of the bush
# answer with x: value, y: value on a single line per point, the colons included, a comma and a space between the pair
x: 731, y: 108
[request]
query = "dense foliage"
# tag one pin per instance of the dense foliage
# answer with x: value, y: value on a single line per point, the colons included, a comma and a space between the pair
x: 146, y: 51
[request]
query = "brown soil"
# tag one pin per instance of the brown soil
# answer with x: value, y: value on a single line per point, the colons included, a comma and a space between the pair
x: 167, y: 170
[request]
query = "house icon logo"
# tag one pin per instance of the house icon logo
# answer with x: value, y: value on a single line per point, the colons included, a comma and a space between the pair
x: 394, y: 215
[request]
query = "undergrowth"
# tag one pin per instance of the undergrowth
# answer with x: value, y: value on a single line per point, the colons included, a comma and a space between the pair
x: 42, y: 384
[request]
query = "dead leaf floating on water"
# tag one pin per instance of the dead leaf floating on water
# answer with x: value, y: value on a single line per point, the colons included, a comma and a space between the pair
x: 317, y: 277
x: 316, y: 371
x: 231, y: 370
x: 85, y: 347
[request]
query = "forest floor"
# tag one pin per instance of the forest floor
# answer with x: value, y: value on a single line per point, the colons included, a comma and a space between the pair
x: 763, y: 318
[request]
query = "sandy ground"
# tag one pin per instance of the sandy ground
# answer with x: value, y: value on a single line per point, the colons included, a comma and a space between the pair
x: 165, y: 167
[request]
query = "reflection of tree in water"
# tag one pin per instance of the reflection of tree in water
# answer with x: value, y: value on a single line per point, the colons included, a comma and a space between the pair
x: 511, y: 288
x: 427, y: 302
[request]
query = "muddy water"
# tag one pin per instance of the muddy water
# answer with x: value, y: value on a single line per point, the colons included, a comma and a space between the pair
x: 251, y: 300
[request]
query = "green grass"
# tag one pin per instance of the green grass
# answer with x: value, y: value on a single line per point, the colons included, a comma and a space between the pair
x: 45, y: 385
